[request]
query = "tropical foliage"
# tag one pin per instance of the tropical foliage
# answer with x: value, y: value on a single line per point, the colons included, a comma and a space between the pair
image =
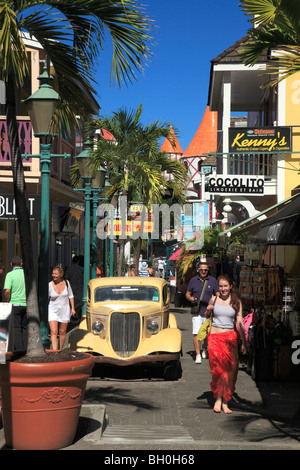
x: 72, y: 34
x: 211, y: 248
x: 136, y: 167
x: 276, y: 26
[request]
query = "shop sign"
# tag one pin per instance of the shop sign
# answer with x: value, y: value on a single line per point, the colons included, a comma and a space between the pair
x: 251, y: 255
x: 138, y: 211
x: 8, y: 207
x: 239, y: 184
x: 71, y: 224
x: 273, y: 232
x: 131, y: 227
x: 267, y: 139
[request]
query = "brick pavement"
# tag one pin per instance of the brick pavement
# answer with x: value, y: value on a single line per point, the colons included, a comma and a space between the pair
x: 147, y: 417
x: 178, y: 415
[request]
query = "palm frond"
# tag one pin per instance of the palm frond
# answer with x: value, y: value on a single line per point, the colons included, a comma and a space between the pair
x: 279, y: 29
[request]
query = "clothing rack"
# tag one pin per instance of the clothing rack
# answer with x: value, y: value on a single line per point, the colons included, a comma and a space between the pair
x: 260, y: 286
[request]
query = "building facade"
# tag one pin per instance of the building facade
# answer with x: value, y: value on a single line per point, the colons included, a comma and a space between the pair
x: 66, y: 208
x: 258, y: 159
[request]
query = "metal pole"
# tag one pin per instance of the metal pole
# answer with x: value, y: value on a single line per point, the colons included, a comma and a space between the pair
x: 111, y: 247
x: 105, y: 253
x: 95, y: 193
x: 43, y: 276
x: 86, y: 271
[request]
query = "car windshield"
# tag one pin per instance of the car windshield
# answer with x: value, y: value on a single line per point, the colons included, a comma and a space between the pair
x: 126, y: 293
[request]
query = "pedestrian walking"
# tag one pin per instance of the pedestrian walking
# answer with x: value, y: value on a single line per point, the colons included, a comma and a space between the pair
x: 160, y: 267
x: 150, y: 270
x: 15, y: 293
x: 154, y: 263
x: 59, y: 312
x: 199, y: 291
x: 74, y: 274
x: 1, y: 272
x: 223, y: 342
x: 132, y: 271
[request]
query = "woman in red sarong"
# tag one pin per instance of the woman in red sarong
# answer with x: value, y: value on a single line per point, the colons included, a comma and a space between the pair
x: 223, y: 342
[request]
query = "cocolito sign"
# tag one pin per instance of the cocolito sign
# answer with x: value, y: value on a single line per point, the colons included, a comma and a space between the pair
x: 240, y: 184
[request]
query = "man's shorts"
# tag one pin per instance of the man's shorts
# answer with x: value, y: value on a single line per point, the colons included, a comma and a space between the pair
x: 197, y: 322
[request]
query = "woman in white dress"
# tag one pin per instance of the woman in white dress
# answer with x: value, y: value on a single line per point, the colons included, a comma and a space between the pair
x: 59, y: 311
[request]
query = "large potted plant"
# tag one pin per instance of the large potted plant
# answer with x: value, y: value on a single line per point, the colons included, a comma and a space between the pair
x: 41, y: 401
x: 41, y: 391
x: 71, y: 34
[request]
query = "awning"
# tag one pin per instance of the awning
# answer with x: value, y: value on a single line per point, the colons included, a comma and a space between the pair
x: 175, y: 255
x: 256, y: 221
x: 282, y: 228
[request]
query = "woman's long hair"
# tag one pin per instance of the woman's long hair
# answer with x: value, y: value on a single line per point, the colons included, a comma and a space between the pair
x: 235, y: 298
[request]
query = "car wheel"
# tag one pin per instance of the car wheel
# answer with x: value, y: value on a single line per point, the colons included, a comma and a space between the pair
x: 173, y: 371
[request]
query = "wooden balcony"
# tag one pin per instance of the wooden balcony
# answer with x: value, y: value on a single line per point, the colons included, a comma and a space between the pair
x: 60, y: 168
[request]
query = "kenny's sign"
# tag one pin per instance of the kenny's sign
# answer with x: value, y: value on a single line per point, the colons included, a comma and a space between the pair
x: 239, y: 184
x: 266, y: 139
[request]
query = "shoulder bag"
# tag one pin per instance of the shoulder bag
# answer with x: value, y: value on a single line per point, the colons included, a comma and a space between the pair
x: 196, y: 305
x: 206, y: 326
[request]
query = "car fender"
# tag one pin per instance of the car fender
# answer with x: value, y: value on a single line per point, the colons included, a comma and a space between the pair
x: 167, y: 340
x: 172, y: 321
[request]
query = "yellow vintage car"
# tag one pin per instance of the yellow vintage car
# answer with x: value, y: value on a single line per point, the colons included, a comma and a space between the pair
x: 128, y: 322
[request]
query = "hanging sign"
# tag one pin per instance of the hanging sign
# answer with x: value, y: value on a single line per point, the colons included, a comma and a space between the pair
x: 8, y: 207
x: 258, y: 139
x: 239, y: 184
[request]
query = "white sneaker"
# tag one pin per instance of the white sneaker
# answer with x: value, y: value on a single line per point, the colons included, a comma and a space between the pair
x: 204, y: 354
x: 198, y: 359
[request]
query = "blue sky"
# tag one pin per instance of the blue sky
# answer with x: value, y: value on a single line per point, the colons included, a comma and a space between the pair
x: 174, y: 86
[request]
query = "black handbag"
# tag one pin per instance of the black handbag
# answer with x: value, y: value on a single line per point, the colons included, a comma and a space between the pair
x: 195, y: 307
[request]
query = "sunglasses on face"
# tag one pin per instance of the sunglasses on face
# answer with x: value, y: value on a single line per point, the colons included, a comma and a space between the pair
x: 203, y: 270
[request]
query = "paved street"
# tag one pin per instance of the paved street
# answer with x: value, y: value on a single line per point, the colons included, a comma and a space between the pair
x: 151, y: 415
x: 158, y: 415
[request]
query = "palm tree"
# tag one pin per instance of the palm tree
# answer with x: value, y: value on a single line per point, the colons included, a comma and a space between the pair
x: 72, y: 33
x: 277, y: 26
x: 136, y: 167
x: 211, y: 239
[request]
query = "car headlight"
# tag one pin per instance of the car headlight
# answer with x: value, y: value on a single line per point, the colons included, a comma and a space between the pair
x: 97, y: 327
x: 152, y: 327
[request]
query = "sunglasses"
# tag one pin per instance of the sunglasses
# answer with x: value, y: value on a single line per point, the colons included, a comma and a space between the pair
x: 203, y: 270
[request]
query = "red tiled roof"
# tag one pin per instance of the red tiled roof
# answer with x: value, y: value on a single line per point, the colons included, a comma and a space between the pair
x: 205, y: 139
x: 168, y: 147
x: 107, y: 135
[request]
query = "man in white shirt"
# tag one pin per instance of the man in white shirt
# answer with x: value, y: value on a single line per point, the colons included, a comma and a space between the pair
x: 160, y: 267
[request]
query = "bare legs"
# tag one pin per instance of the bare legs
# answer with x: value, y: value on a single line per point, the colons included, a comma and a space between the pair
x: 196, y: 344
x: 54, y: 331
x: 219, y: 404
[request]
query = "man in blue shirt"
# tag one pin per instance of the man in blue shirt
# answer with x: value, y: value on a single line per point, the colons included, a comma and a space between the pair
x: 193, y: 294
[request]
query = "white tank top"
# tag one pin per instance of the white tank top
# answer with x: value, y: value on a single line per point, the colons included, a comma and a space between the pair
x: 223, y: 316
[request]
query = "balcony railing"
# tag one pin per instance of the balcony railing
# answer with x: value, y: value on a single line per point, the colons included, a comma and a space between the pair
x: 25, y: 128
x: 253, y: 164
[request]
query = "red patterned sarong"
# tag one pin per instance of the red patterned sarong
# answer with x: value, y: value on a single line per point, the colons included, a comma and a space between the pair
x: 224, y: 363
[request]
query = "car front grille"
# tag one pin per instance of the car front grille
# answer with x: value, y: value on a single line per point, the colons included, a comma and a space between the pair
x: 125, y: 332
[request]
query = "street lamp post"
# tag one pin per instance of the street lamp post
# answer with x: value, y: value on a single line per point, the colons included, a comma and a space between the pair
x: 90, y: 182
x: 114, y: 203
x: 41, y: 106
x: 96, y: 186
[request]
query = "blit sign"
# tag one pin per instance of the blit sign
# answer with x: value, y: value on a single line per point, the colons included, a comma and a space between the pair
x: 8, y: 207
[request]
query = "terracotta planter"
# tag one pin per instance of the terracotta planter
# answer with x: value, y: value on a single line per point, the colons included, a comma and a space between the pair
x: 41, y: 403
